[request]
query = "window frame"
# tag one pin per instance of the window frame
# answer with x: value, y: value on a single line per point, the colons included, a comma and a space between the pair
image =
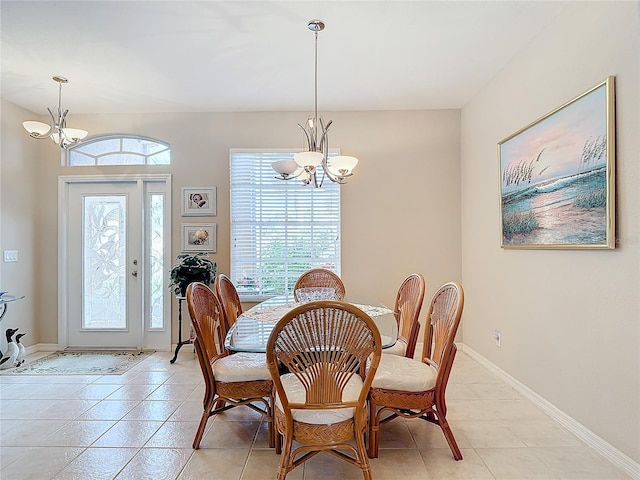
x: 291, y: 193
x: 121, y: 137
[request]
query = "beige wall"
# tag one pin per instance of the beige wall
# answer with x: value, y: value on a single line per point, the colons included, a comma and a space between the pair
x: 569, y: 319
x: 401, y: 211
x: 19, y: 200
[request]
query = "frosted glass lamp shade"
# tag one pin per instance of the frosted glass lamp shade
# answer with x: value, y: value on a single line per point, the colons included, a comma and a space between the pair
x: 308, y: 159
x: 284, y: 167
x: 39, y: 128
x: 344, y: 164
x: 73, y: 133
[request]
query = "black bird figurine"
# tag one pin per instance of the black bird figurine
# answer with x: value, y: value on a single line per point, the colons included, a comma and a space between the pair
x: 9, y: 358
x: 22, y: 352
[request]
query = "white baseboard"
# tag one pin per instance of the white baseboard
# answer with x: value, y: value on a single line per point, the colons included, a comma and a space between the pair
x: 43, y: 347
x: 601, y: 446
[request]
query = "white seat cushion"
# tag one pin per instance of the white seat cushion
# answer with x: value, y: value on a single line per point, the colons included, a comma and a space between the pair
x: 297, y: 394
x: 401, y: 373
x: 241, y: 367
x: 399, y: 348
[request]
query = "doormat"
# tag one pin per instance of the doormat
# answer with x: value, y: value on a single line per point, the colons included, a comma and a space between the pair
x: 82, y: 363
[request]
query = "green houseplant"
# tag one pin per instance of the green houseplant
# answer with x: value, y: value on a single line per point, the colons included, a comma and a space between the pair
x: 194, y: 267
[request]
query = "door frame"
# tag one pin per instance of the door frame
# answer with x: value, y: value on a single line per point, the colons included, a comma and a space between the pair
x: 63, y: 282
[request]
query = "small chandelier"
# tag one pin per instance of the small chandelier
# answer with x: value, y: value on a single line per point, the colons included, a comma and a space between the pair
x: 57, y: 130
x: 304, y: 165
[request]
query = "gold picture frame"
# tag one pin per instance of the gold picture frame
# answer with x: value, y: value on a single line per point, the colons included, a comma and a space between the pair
x: 557, y: 176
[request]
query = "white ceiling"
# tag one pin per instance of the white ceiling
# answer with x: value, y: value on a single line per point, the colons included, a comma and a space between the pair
x: 206, y: 56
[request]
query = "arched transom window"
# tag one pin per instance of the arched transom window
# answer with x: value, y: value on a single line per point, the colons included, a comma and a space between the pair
x: 119, y: 149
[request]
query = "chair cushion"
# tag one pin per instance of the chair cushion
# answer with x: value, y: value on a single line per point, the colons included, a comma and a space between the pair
x: 399, y: 348
x: 401, y: 373
x: 297, y: 394
x: 241, y: 367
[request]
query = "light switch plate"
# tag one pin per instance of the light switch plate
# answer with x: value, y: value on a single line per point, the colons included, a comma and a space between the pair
x: 10, y: 255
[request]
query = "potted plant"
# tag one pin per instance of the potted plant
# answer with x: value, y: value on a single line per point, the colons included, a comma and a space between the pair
x: 191, y: 268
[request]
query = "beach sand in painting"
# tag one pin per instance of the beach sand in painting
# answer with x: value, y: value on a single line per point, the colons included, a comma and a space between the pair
x: 565, y: 224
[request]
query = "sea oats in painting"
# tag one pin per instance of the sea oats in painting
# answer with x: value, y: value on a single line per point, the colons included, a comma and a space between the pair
x: 557, y: 176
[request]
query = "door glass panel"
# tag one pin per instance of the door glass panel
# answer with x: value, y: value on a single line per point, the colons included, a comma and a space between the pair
x: 104, y: 262
x: 156, y: 214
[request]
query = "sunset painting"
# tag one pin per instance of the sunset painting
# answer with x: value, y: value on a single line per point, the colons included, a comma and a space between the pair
x: 557, y: 177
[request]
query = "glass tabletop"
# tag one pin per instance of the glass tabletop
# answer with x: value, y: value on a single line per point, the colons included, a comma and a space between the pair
x: 251, y: 330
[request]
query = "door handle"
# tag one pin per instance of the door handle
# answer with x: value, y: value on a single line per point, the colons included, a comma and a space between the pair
x: 134, y: 273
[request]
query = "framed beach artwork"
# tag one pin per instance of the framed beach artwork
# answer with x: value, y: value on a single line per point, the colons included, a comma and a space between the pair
x: 198, y: 201
x: 557, y: 177
x: 199, y: 237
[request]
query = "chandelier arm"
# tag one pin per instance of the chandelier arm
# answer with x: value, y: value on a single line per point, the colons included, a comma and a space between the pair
x: 306, y: 135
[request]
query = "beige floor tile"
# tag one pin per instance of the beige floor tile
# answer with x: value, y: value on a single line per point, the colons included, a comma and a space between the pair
x: 58, y: 391
x: 153, y: 410
x: 518, y: 409
x: 542, y: 433
x: 129, y: 433
x: 396, y: 434
x: 188, y: 411
x: 229, y: 434
x: 396, y: 464
x: 9, y: 455
x: 469, y: 410
x: 174, y: 435
x: 263, y: 465
x: 109, y: 410
x: 97, y: 464
x: 156, y: 464
x: 218, y: 463
x: 40, y: 463
x: 30, y: 432
x: 66, y: 409
x: 460, y: 391
x: 494, y: 391
x: 515, y: 464
x: 578, y: 463
x: 79, y: 433
x: 171, y: 392
x: 133, y: 392
x: 324, y: 466
x: 489, y: 434
x: 96, y: 391
x: 428, y: 435
x: 28, y: 408
x: 441, y: 465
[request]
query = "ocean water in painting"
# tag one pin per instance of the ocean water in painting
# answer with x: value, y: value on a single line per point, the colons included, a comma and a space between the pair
x: 566, y: 210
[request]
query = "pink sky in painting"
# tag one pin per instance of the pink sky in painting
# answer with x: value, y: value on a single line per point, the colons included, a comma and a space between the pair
x: 562, y: 135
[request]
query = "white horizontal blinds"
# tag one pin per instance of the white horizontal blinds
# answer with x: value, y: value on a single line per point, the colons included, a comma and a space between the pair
x: 279, y: 229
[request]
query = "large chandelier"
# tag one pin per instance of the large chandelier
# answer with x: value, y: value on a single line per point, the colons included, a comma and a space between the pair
x: 57, y: 130
x: 314, y: 162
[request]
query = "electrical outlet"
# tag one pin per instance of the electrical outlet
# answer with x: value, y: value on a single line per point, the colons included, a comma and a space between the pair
x: 497, y: 336
x: 10, y: 255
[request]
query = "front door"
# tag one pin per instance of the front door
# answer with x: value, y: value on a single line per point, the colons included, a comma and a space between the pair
x: 115, y: 265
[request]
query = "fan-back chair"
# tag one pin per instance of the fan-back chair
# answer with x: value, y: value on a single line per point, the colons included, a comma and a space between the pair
x: 229, y: 299
x: 407, y: 311
x: 321, y: 402
x: 320, y: 277
x: 229, y: 380
x: 416, y: 388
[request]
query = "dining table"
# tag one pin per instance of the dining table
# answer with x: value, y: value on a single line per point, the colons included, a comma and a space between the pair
x: 251, y: 330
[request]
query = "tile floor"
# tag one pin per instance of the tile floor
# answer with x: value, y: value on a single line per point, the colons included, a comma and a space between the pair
x: 140, y: 425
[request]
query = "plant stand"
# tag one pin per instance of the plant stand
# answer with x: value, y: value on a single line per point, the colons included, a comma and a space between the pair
x: 191, y: 332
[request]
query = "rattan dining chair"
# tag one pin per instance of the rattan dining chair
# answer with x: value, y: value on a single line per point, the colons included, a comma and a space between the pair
x: 404, y: 387
x: 320, y: 277
x: 407, y: 308
x: 321, y: 402
x: 229, y: 299
x: 229, y: 380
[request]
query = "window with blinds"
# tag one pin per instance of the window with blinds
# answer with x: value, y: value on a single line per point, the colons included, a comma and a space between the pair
x: 279, y: 229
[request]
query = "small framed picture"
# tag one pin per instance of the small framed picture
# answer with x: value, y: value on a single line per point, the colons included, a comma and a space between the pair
x: 199, y: 237
x: 198, y: 201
